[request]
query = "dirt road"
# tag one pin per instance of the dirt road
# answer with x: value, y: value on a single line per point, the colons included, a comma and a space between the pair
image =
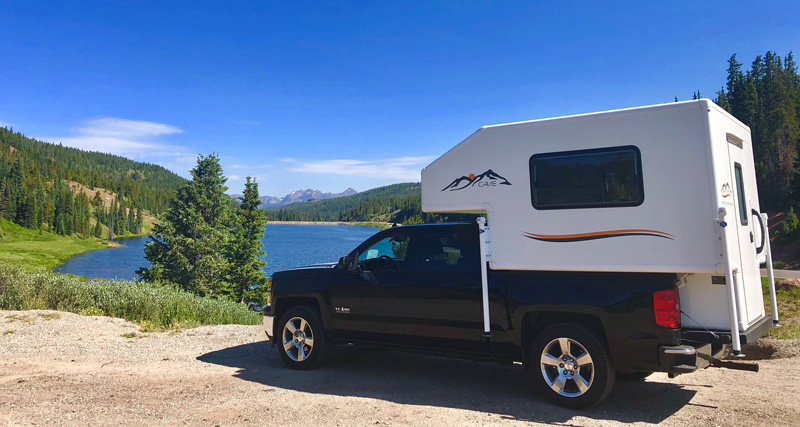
x: 66, y: 369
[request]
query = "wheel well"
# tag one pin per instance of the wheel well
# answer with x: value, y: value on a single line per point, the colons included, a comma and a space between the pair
x: 535, y: 322
x: 284, y: 304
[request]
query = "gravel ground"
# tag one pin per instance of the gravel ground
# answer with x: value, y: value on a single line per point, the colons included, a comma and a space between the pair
x: 66, y: 369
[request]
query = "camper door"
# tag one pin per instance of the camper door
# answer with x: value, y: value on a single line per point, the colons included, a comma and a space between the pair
x: 745, y: 230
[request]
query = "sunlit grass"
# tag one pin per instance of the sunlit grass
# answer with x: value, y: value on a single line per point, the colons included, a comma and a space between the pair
x: 788, y: 311
x: 154, y: 305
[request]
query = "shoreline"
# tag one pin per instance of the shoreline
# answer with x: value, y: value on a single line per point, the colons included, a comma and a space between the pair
x: 380, y: 225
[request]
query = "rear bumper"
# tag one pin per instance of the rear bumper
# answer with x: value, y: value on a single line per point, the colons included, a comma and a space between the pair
x: 699, y: 348
x: 269, y: 324
x: 685, y: 358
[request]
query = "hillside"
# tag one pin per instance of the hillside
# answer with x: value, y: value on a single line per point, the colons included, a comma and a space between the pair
x: 395, y: 203
x: 71, y: 192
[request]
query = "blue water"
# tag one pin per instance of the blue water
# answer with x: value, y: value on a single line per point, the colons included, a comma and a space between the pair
x: 287, y: 246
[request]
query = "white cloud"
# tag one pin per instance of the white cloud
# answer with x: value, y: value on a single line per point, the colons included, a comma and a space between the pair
x: 4, y: 124
x: 399, y: 168
x: 134, y: 139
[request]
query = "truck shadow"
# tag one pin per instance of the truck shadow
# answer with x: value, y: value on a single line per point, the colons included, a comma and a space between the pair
x: 450, y: 383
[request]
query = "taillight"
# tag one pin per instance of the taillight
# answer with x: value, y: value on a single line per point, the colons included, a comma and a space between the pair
x: 667, y: 305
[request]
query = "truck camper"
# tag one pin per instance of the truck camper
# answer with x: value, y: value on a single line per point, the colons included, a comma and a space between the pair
x: 610, y: 246
x: 659, y: 189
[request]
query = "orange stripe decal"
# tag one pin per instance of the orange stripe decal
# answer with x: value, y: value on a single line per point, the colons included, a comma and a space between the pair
x: 597, y: 235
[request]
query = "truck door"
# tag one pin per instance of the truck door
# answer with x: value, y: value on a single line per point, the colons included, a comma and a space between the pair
x: 745, y: 233
x: 366, y: 304
x: 442, y: 296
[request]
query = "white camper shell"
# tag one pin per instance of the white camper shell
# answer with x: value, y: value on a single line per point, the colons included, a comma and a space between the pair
x: 667, y: 188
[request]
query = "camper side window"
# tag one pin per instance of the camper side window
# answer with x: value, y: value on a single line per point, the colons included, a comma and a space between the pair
x: 598, y: 178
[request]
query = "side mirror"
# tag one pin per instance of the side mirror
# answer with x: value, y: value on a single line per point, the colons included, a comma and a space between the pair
x: 344, y: 263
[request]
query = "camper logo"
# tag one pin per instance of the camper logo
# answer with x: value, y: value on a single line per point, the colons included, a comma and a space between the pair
x: 726, y: 190
x: 486, y: 179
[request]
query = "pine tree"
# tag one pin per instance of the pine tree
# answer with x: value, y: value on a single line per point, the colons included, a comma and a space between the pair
x: 188, y: 244
x: 245, y: 252
x: 139, y: 220
x: 131, y: 220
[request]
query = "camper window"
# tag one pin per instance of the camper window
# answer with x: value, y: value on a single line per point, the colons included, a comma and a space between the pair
x: 740, y: 194
x: 598, y: 178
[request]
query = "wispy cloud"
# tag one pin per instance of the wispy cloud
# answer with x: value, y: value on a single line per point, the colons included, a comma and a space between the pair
x: 399, y: 168
x: 129, y: 138
x: 4, y: 124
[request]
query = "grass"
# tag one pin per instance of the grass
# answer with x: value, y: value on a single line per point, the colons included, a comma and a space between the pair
x: 28, y: 248
x: 152, y: 305
x: 788, y: 311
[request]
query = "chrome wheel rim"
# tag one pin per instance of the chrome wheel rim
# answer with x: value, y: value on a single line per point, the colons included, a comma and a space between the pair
x: 567, y: 367
x: 298, y: 339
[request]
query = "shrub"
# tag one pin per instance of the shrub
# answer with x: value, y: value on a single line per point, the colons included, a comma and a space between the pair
x: 791, y: 228
x: 154, y: 305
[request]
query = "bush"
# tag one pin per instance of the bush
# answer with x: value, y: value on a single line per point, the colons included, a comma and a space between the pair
x: 791, y: 228
x: 153, y: 304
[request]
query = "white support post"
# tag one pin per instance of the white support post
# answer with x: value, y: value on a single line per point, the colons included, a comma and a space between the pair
x: 770, y: 272
x: 731, y: 280
x: 487, y: 331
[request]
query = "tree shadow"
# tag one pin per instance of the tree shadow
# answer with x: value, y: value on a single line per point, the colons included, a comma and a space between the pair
x: 436, y: 381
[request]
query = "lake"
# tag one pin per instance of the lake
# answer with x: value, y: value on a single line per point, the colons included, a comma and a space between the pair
x: 287, y: 246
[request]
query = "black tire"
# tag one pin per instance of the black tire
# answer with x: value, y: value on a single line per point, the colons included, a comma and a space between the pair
x: 633, y: 376
x: 306, y: 320
x: 545, y: 370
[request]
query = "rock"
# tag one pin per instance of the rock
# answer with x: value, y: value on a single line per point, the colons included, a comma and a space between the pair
x: 788, y: 284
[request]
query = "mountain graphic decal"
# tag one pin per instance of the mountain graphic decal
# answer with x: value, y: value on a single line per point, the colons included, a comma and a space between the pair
x: 488, y: 178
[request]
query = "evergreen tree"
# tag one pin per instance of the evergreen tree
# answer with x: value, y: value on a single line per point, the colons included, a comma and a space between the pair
x: 139, y: 220
x: 188, y: 244
x: 245, y: 249
x: 131, y: 223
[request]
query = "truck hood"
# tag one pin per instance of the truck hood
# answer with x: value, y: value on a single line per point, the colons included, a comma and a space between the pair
x: 321, y: 265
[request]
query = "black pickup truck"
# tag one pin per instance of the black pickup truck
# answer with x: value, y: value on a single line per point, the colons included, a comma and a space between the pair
x: 418, y: 288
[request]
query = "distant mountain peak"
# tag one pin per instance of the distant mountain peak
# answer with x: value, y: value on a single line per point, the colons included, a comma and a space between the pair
x: 297, y: 196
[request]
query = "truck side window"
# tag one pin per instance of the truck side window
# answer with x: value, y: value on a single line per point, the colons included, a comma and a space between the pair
x: 449, y: 251
x: 387, y: 254
x: 596, y: 178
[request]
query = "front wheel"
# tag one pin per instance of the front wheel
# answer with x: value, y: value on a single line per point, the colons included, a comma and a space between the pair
x: 569, y: 365
x: 301, y: 340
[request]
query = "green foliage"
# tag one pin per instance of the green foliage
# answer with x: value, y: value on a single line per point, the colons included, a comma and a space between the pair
x: 245, y: 249
x: 767, y: 98
x: 788, y: 311
x: 205, y: 243
x: 163, y: 306
x: 394, y: 203
x: 35, y: 192
x: 188, y: 244
x: 38, y: 248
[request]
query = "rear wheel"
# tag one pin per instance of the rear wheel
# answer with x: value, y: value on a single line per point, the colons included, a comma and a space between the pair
x: 569, y: 365
x: 301, y: 341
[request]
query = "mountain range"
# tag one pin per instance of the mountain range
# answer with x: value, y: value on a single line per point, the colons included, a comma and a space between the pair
x: 298, y: 196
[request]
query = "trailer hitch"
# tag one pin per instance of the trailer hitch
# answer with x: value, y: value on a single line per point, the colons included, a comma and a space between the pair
x: 739, y: 366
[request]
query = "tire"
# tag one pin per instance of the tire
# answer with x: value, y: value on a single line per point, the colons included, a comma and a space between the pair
x: 633, y: 376
x: 301, y: 340
x: 564, y: 348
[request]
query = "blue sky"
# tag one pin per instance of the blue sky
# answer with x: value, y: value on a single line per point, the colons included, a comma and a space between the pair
x: 328, y: 96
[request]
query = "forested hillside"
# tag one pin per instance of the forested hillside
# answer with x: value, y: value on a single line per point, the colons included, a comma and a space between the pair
x: 72, y: 192
x: 399, y: 203
x: 767, y: 98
